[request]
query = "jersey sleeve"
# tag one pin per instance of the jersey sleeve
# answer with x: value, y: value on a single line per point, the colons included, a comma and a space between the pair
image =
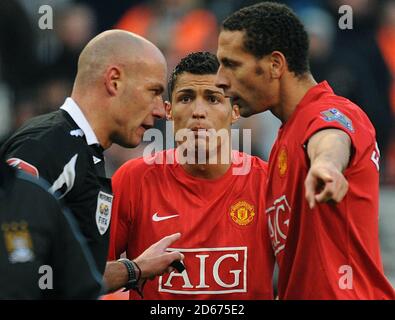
x: 41, y: 159
x: 30, y: 156
x: 121, y: 213
x: 349, y: 120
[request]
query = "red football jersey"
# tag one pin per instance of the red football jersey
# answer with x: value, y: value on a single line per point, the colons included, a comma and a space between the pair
x: 222, y: 222
x: 332, y: 251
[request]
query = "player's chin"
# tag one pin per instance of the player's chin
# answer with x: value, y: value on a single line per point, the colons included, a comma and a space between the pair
x: 135, y: 141
x: 245, y: 111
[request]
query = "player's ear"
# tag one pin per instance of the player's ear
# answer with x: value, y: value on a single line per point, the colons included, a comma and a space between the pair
x: 112, y: 80
x: 277, y: 64
x: 168, y: 110
x: 235, y: 113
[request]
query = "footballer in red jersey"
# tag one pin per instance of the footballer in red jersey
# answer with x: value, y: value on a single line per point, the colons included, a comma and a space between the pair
x: 323, y: 184
x: 218, y: 209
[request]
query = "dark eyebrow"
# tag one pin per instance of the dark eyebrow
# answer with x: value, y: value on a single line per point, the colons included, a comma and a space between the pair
x: 208, y: 91
x: 190, y: 91
x: 227, y: 62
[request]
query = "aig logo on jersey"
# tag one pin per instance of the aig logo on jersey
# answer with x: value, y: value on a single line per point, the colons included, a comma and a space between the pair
x: 18, y: 242
x: 103, y: 211
x: 278, y: 223
x: 242, y: 213
x: 208, y: 271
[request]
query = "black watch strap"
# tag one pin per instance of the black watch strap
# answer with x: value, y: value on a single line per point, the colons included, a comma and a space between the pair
x: 132, y: 277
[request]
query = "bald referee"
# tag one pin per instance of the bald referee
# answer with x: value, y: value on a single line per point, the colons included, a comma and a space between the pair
x: 117, y: 95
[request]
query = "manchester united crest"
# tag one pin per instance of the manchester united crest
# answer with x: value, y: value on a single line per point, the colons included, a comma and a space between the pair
x: 282, y: 161
x: 242, y: 213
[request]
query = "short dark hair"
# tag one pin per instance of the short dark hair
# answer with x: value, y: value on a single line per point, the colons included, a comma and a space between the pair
x: 269, y: 27
x: 195, y: 63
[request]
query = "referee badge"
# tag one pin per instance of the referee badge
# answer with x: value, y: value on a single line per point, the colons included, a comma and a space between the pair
x: 103, y: 211
x: 242, y: 213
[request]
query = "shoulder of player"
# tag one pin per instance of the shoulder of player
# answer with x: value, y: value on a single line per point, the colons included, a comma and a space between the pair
x: 339, y: 103
x: 45, y: 144
x: 136, y: 169
x: 336, y: 108
x: 53, y: 133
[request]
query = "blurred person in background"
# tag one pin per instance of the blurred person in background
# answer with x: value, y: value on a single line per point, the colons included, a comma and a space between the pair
x: 106, y: 14
x: 321, y: 28
x: 358, y: 70
x: 40, y: 65
x: 17, y: 47
x: 74, y: 26
x: 18, y: 62
x: 177, y: 27
x: 386, y: 41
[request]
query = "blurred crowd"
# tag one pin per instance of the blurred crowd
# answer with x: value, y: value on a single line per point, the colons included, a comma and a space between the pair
x: 37, y: 67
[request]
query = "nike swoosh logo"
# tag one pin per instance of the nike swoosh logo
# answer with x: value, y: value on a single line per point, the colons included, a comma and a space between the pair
x: 156, y: 218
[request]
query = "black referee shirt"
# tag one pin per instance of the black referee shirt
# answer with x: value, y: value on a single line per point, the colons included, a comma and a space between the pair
x: 69, y: 157
x: 42, y: 253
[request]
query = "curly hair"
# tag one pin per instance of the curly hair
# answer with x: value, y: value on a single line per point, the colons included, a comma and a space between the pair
x: 195, y: 63
x: 269, y: 27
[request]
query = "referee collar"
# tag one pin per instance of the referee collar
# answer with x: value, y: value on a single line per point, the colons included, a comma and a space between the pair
x: 72, y: 108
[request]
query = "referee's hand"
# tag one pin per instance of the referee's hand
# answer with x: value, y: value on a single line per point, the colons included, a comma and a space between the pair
x: 156, y: 260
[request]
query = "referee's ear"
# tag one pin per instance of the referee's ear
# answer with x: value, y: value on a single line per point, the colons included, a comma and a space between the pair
x: 112, y: 80
x: 168, y: 110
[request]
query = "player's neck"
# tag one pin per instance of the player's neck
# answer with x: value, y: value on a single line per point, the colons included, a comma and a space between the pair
x: 212, y: 168
x: 292, y: 92
x: 206, y: 171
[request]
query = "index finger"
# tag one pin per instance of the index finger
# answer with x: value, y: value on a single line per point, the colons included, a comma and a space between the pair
x: 310, y: 185
x: 168, y: 240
